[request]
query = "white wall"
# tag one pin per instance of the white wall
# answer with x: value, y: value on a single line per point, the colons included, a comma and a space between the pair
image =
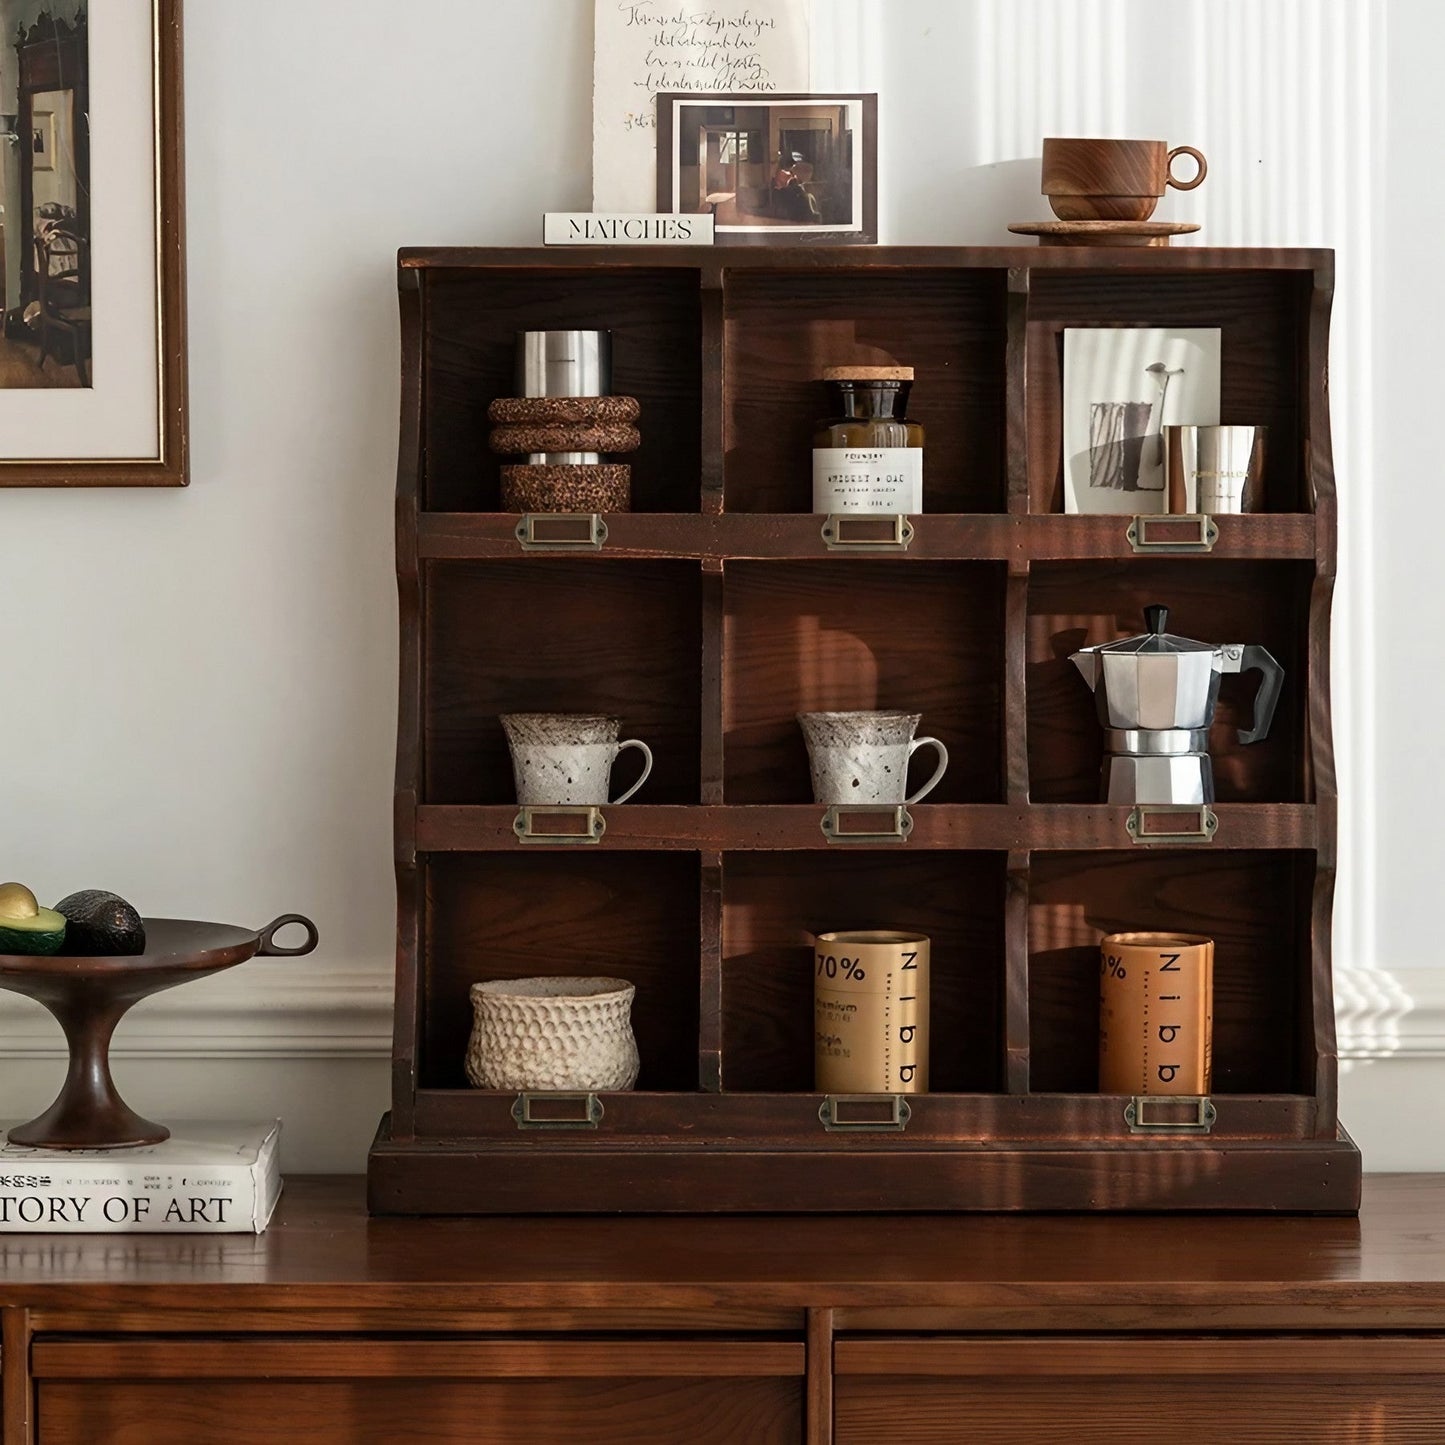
x: 206, y: 717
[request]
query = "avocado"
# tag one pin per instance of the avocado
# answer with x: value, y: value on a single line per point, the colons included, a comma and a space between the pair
x: 26, y: 927
x: 101, y: 925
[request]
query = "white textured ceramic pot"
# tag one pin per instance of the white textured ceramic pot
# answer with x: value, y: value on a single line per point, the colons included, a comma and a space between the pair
x: 552, y: 1033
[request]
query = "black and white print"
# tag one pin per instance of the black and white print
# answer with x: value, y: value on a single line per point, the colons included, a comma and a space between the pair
x: 1122, y: 387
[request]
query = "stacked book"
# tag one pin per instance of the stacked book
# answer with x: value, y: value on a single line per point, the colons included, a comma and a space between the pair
x: 204, y: 1179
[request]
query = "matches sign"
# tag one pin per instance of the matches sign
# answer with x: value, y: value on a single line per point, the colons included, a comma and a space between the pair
x: 625, y: 228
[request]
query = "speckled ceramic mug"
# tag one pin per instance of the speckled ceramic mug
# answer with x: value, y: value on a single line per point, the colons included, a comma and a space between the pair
x: 565, y: 759
x: 862, y: 757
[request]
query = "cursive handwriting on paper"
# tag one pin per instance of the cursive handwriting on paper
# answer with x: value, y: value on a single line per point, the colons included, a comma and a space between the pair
x: 699, y: 49
x: 647, y: 46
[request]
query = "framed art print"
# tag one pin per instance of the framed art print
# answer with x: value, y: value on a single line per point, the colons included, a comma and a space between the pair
x: 42, y: 140
x: 1122, y: 386
x: 771, y: 169
x: 93, y: 341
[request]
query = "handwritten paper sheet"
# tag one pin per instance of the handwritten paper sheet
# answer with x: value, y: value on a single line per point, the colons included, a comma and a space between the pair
x: 646, y: 46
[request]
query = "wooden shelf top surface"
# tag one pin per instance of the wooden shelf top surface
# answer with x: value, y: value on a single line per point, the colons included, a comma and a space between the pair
x: 322, y: 1252
x: 822, y: 258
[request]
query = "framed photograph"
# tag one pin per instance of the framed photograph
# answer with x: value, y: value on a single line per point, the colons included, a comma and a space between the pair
x: 771, y: 169
x: 42, y: 140
x: 92, y: 346
x: 1122, y: 386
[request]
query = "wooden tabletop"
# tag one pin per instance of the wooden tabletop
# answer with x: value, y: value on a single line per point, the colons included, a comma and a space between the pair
x: 323, y: 1252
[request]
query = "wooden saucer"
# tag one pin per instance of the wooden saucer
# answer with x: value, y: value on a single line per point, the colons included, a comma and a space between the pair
x: 1103, y: 233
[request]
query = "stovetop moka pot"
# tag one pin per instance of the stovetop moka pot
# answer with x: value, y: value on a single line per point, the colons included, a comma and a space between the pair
x: 1155, y: 695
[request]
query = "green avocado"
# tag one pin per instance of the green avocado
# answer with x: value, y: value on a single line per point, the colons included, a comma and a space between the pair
x: 25, y: 927
x: 101, y: 925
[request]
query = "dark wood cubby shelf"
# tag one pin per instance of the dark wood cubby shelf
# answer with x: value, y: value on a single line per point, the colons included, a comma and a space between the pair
x: 715, y: 611
x: 795, y: 827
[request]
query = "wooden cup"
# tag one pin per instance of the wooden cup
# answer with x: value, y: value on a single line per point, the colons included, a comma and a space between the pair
x: 1111, y: 180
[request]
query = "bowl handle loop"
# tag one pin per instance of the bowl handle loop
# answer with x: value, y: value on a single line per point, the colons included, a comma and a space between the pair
x: 270, y: 949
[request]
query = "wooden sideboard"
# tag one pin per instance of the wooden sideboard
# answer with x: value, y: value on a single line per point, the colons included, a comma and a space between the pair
x: 913, y: 1330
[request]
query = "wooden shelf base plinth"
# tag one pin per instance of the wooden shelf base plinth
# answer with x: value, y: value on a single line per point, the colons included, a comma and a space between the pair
x: 476, y: 1176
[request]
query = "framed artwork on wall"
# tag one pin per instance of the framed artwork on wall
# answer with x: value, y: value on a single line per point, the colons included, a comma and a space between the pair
x: 42, y: 140
x: 92, y: 267
x: 771, y: 169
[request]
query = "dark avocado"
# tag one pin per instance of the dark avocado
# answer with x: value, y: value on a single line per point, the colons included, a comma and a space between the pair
x: 99, y: 924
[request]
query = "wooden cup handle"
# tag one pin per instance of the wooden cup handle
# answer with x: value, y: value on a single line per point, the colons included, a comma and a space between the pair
x: 270, y: 949
x: 1199, y: 161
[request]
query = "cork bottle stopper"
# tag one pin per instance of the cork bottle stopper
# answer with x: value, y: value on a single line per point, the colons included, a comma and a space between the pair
x: 868, y: 373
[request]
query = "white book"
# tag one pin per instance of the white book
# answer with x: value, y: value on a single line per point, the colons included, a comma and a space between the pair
x: 625, y: 228
x: 205, y: 1179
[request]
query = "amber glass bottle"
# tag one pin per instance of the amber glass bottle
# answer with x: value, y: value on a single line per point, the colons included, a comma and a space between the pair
x: 867, y: 454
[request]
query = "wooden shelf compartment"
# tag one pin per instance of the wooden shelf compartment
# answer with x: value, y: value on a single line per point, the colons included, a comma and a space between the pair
x: 592, y: 914
x: 773, y: 906
x: 468, y: 352
x: 782, y: 327
x: 1270, y: 329
x: 506, y: 637
x: 1257, y: 908
x: 849, y: 634
x: 1074, y: 605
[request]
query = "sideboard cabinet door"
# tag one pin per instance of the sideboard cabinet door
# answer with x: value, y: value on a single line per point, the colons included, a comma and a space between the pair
x: 234, y: 1391
x: 1188, y: 1390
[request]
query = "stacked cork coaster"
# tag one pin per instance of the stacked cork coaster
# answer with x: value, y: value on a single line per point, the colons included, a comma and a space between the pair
x: 553, y: 425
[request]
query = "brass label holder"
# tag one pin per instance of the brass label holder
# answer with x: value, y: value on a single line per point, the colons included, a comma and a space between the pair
x: 561, y: 531
x: 546, y: 1110
x: 865, y: 1113
x: 1156, y: 823
x: 1170, y: 1114
x: 867, y: 532
x: 845, y: 823
x: 538, y: 824
x: 1173, y: 532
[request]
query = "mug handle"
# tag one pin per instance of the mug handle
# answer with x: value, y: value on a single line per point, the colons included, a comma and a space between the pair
x: 646, y: 765
x: 1199, y: 175
x: 938, y: 772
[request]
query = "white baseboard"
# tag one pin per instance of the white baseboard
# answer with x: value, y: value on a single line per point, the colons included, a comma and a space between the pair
x: 346, y: 1013
x: 265, y: 1012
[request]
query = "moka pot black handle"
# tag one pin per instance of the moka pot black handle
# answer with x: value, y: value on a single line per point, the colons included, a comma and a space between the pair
x: 1267, y: 698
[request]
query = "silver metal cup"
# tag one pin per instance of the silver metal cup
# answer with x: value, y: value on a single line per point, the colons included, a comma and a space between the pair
x: 1214, y: 469
x: 564, y: 363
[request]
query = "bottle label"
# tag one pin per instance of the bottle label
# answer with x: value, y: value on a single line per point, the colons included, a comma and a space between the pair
x: 880, y: 479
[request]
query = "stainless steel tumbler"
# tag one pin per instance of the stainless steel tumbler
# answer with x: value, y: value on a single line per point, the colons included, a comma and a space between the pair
x: 1214, y: 469
x: 564, y: 363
